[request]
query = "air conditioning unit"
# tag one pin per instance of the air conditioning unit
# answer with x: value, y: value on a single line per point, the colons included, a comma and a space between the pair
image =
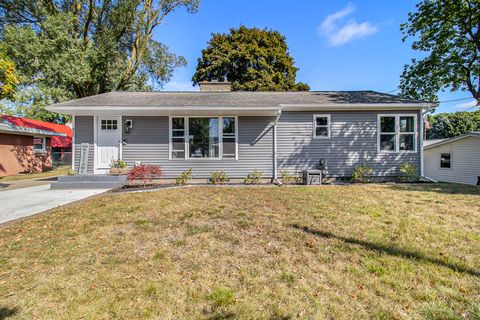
x: 312, y: 177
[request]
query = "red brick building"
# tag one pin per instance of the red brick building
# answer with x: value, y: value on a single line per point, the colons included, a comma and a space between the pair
x: 25, y: 146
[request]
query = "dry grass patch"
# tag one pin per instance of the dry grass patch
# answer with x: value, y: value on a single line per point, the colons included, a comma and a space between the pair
x: 58, y: 171
x: 344, y: 252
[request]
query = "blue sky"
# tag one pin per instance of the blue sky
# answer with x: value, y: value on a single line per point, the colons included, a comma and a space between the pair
x: 337, y: 45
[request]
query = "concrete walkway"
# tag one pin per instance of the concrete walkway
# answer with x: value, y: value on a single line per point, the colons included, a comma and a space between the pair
x: 24, y: 202
x: 25, y: 183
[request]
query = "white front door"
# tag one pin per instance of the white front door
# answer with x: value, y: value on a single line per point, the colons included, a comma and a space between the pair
x: 109, y: 137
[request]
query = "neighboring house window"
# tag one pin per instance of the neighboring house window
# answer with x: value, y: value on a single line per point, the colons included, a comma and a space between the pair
x: 446, y: 160
x: 109, y: 125
x: 397, y: 133
x: 321, y: 126
x: 39, y: 144
x: 203, y: 137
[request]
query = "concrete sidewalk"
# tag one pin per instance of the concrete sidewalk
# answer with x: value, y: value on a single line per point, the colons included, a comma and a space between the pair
x: 25, y: 183
x: 24, y: 202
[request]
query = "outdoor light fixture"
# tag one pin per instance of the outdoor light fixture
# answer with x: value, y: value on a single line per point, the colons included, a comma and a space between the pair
x: 128, y: 125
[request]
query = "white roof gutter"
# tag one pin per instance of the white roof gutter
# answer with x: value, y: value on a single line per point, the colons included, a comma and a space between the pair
x: 8, y: 128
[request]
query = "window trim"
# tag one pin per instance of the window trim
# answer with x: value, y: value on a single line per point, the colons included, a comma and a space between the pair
x: 397, y: 132
x: 440, y: 161
x: 187, y: 134
x: 328, y: 126
x: 44, y: 145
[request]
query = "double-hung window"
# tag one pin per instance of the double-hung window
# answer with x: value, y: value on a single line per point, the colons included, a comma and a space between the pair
x: 321, y: 126
x: 178, y: 138
x: 39, y: 144
x: 203, y: 137
x: 397, y: 133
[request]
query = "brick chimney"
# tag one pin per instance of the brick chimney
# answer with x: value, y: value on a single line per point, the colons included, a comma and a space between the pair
x: 214, y: 86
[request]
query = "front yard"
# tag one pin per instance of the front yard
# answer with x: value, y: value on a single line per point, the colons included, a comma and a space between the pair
x: 338, y: 252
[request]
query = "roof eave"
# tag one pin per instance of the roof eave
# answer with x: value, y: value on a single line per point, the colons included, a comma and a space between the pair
x: 11, y: 129
x: 165, y: 110
x: 446, y: 141
x: 239, y: 110
x: 357, y: 106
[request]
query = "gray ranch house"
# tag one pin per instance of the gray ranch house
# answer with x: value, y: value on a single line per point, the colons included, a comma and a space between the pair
x: 215, y: 129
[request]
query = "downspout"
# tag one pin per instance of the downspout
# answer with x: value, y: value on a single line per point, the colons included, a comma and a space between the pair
x: 424, y: 136
x: 274, y: 128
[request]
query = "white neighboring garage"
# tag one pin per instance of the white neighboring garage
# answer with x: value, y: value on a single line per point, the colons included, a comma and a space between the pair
x: 454, y: 160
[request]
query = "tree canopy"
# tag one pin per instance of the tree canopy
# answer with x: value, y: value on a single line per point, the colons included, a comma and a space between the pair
x: 448, y: 32
x: 66, y: 49
x: 448, y: 125
x: 8, y: 77
x: 252, y: 59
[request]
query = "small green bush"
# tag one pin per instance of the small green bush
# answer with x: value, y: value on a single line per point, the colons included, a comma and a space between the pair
x: 71, y: 172
x: 361, y: 173
x: 183, y: 178
x: 409, y: 172
x: 219, y: 177
x: 288, y: 178
x: 254, y: 177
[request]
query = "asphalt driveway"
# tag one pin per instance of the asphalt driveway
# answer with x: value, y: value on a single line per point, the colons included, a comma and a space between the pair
x: 24, y: 202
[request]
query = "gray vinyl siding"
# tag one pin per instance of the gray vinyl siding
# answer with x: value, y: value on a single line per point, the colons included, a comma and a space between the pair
x: 83, y: 132
x: 149, y: 143
x: 465, y: 165
x: 353, y: 141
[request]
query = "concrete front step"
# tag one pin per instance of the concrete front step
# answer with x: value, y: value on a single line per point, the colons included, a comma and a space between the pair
x: 89, y: 182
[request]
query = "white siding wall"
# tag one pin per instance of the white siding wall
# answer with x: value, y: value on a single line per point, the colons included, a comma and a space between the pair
x: 465, y: 161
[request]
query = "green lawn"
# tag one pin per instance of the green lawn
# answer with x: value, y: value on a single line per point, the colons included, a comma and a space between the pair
x: 334, y: 252
x: 58, y: 171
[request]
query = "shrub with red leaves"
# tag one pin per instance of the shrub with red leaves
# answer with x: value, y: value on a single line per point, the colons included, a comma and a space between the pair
x: 144, y: 172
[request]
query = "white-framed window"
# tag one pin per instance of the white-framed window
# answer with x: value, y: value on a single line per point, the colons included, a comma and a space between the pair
x: 39, y: 144
x: 203, y: 137
x: 397, y: 133
x: 321, y: 126
x: 446, y: 160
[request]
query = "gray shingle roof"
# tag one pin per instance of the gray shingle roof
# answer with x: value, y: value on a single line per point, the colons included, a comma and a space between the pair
x: 427, y: 144
x: 236, y: 98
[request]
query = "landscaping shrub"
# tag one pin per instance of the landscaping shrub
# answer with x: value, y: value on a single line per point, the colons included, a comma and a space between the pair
x: 118, y: 164
x: 409, y: 172
x: 71, y: 172
x: 219, y: 177
x: 144, y: 173
x: 253, y: 177
x: 288, y: 178
x: 183, y: 178
x: 361, y: 173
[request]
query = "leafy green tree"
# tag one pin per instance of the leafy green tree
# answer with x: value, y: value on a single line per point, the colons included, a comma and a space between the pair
x: 448, y: 31
x: 448, y: 125
x: 66, y: 49
x: 251, y: 59
x: 8, y: 77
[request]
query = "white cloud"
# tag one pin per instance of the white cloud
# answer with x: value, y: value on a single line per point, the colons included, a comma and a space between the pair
x: 179, y: 86
x: 465, y: 105
x: 338, y: 33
